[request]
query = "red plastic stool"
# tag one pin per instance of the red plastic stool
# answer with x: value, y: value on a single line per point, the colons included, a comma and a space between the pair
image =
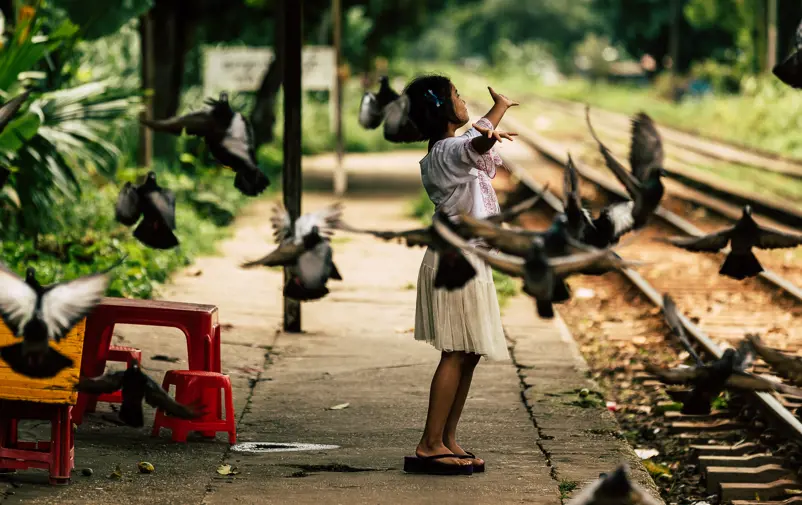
x: 190, y: 386
x: 56, y: 455
x: 198, y: 322
x: 120, y: 354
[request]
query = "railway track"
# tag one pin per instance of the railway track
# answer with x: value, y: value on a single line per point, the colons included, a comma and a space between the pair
x: 691, y: 162
x: 720, y: 311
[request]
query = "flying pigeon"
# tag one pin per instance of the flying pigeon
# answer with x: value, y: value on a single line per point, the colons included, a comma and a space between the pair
x: 709, y: 380
x: 790, y: 70
x: 614, y: 489
x: 371, y: 109
x: 643, y: 183
x: 612, y: 223
x: 453, y: 269
x: 136, y: 386
x: 40, y: 314
x: 155, y: 205
x: 398, y: 127
x: 541, y: 274
x: 306, y: 246
x: 228, y: 135
x: 742, y: 237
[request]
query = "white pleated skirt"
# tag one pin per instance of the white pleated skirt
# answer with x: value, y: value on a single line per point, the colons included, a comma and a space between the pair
x: 467, y: 319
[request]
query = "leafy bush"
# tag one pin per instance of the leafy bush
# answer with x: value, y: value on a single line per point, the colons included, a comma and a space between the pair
x: 90, y: 240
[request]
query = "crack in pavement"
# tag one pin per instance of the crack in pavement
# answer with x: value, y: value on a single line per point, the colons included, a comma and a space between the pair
x: 245, y: 409
x: 519, y: 369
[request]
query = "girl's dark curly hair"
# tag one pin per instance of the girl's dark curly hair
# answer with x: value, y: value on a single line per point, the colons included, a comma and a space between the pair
x: 430, y: 105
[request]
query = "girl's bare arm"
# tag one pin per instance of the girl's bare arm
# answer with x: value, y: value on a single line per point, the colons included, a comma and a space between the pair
x: 488, y: 139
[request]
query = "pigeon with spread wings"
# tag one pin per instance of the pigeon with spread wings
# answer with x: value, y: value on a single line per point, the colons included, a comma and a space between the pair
x: 136, y: 386
x: 371, y: 109
x: 789, y: 70
x: 156, y: 206
x: 742, y: 237
x: 39, y: 314
x: 7, y: 112
x: 614, y: 489
x: 306, y: 246
x: 229, y: 137
x: 612, y: 223
x: 453, y: 269
x: 541, y: 274
x: 643, y: 183
x: 709, y: 380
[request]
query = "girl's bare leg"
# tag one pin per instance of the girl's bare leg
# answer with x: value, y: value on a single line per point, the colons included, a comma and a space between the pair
x: 450, y: 433
x: 446, y: 381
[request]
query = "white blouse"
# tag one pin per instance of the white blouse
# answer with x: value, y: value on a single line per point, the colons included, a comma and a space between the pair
x: 457, y: 178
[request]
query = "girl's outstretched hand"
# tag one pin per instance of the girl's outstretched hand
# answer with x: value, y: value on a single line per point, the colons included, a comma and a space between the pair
x: 501, y: 99
x: 494, y: 134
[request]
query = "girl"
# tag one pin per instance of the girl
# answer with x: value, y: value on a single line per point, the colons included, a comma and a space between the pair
x: 463, y: 324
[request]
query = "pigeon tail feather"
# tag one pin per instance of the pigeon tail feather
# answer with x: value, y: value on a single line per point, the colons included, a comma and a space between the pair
x: 741, y: 266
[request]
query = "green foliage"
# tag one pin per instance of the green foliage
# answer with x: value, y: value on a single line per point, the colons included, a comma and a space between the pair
x: 506, y: 287
x: 98, y: 21
x: 89, y: 239
x: 422, y: 208
x: 566, y: 487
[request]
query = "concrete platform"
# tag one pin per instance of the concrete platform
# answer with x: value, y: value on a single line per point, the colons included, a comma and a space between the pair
x: 357, y: 348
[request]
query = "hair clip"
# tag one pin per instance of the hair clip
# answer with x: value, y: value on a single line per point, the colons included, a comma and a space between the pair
x: 432, y: 97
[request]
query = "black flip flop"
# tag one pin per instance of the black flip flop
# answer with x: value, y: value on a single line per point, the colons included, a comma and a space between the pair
x: 431, y: 466
x: 476, y: 468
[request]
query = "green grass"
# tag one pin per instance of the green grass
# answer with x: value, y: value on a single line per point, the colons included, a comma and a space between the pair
x: 422, y: 208
x: 566, y: 487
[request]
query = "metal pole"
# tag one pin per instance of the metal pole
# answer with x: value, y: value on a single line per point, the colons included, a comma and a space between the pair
x: 674, y: 45
x: 145, y: 152
x: 291, y: 176
x: 340, y: 177
x: 771, y: 59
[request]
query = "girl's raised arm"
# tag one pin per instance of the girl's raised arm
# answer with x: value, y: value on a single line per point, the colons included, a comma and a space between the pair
x: 490, y: 136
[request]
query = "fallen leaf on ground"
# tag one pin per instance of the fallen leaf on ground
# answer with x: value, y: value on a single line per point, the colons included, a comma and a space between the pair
x: 227, y: 470
x: 340, y: 406
x: 145, y: 467
x: 404, y: 330
x: 194, y: 272
x: 117, y: 473
x: 646, y: 453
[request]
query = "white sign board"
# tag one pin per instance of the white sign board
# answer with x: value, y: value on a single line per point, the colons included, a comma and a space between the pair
x: 243, y: 68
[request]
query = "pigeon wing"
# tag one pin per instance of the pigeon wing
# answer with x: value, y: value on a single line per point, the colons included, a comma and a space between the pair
x: 284, y: 255
x: 282, y: 225
x: 239, y: 141
x: 646, y: 150
x: 509, y: 265
x: 104, y: 384
x: 65, y: 304
x: 127, y: 210
x: 157, y: 397
x: 625, y: 177
x: 17, y: 301
x: 326, y: 220
x: 598, y: 259
x: 163, y: 200
x: 516, y: 210
x: 199, y: 124
x: 706, y: 243
x: 773, y: 239
x: 671, y: 315
x: 676, y: 376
